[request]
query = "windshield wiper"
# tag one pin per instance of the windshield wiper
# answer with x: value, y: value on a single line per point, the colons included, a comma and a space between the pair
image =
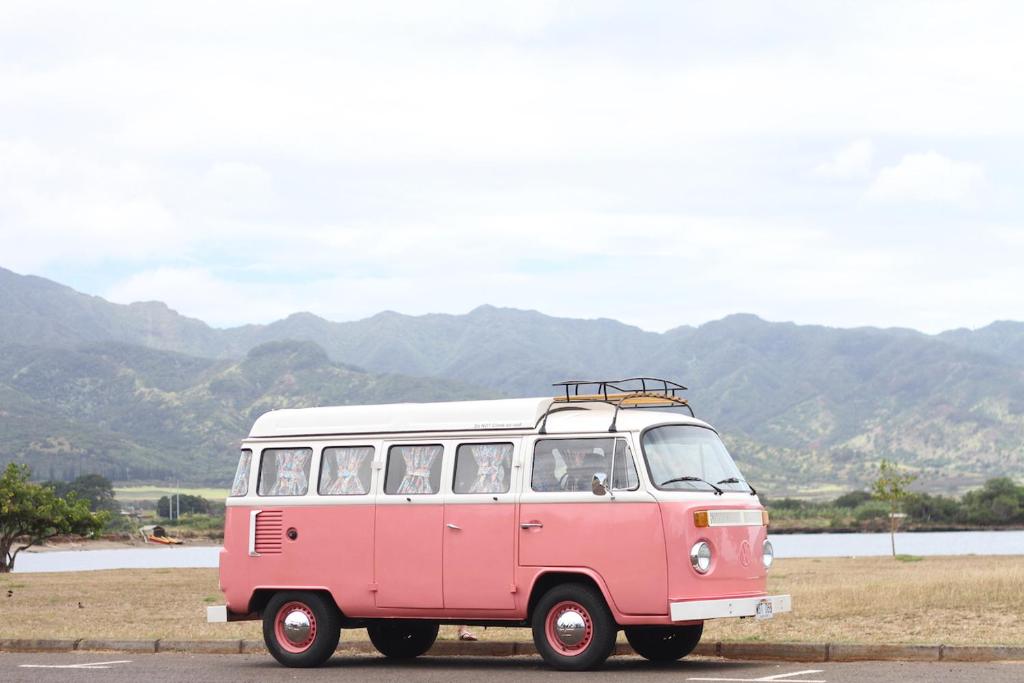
x: 718, y: 491
x: 734, y: 480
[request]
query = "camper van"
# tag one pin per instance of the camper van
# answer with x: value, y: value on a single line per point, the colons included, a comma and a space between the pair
x: 606, y: 507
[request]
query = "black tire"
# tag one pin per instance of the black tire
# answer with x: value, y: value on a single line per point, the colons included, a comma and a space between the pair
x: 402, y: 639
x: 664, y: 643
x: 324, y: 618
x: 598, y: 635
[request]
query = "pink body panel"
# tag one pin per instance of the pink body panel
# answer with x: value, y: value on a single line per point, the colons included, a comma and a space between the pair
x: 402, y: 560
x: 333, y: 551
x: 479, y: 559
x: 620, y: 541
x: 408, y: 556
x: 734, y: 572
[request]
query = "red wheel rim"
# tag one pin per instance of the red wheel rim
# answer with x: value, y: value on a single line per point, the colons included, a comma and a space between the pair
x: 550, y: 628
x: 279, y: 631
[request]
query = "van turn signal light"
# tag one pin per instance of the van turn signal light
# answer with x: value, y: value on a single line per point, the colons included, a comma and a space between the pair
x: 700, y: 518
x: 764, y: 517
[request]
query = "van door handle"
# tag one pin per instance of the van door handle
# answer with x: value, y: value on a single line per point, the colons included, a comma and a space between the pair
x: 454, y: 526
x: 531, y: 525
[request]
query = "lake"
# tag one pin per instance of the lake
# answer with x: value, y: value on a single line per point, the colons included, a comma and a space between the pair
x: 786, y: 545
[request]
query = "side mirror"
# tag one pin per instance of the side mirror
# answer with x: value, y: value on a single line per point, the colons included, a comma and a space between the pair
x: 597, y: 484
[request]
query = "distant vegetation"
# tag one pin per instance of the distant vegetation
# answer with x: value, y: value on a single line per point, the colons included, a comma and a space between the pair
x: 999, y: 503
x: 182, y: 504
x: 141, y: 394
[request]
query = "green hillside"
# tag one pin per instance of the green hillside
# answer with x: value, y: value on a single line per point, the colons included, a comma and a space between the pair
x: 141, y: 392
x: 132, y: 413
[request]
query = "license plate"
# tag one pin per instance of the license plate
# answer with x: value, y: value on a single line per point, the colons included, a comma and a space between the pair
x: 764, y: 610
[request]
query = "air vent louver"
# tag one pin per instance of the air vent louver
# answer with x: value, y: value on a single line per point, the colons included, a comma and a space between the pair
x: 269, y: 532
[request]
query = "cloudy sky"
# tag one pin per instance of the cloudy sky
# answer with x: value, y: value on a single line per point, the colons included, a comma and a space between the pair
x: 844, y: 163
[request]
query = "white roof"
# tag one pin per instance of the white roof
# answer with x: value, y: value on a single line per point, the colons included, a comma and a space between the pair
x: 454, y: 416
x: 516, y: 413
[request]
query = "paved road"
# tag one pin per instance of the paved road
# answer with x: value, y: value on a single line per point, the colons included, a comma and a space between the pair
x: 91, y: 666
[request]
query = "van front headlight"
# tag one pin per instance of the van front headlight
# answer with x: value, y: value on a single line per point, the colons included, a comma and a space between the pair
x: 767, y: 553
x: 700, y: 557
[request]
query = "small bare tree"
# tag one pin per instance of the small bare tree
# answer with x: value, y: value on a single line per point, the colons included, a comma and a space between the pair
x: 892, y: 487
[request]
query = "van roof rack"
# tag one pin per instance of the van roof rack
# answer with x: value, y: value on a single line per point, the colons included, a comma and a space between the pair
x: 652, y: 385
x: 631, y: 392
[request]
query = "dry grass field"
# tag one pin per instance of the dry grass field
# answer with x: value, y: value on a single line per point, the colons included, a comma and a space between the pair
x: 938, y: 600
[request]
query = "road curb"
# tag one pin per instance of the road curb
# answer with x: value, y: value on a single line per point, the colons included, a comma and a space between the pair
x: 118, y: 645
x: 783, y: 652
x: 37, y: 645
x: 786, y: 652
x: 207, y: 647
x: 970, y: 653
x: 889, y: 653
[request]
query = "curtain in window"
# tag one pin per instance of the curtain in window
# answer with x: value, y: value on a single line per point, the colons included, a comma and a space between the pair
x: 240, y: 486
x: 418, y: 460
x: 492, y: 461
x: 292, y: 472
x: 347, y: 462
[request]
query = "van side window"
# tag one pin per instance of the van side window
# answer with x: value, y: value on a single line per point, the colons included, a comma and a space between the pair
x: 569, y: 464
x: 483, y: 468
x: 345, y: 471
x: 413, y: 470
x: 240, y: 485
x: 284, y: 472
x: 625, y: 477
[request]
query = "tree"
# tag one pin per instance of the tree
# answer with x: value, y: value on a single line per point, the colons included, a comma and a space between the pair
x: 168, y: 506
x: 30, y: 513
x: 852, y: 499
x: 999, y: 502
x: 95, y: 488
x: 891, y: 487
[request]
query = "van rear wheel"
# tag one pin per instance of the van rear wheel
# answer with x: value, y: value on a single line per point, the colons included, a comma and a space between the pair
x: 301, y: 629
x: 402, y: 639
x: 664, y: 643
x: 573, y: 629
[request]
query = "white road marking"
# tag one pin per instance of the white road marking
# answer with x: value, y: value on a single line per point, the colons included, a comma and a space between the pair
x: 91, y: 665
x: 784, y: 678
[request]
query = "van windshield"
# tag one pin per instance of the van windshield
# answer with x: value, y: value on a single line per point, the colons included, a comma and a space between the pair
x: 685, y: 457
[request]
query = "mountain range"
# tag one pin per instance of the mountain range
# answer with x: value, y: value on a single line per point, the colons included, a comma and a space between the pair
x: 140, y: 392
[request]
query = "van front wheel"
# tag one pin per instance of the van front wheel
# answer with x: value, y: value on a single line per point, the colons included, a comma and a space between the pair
x: 402, y: 639
x: 573, y: 629
x: 664, y: 643
x: 301, y: 629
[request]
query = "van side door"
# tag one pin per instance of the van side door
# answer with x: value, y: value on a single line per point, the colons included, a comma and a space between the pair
x: 409, y: 521
x: 480, y: 523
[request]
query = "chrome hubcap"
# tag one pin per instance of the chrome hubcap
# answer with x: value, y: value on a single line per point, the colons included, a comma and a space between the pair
x: 296, y: 627
x: 570, y: 628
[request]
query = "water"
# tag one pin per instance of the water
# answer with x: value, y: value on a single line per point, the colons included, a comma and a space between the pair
x: 786, y: 545
x: 919, y: 543
x: 149, y: 557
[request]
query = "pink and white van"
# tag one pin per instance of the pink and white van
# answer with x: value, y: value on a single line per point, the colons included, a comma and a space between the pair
x: 576, y: 516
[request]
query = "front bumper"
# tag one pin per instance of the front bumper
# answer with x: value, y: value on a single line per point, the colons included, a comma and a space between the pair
x: 699, y: 610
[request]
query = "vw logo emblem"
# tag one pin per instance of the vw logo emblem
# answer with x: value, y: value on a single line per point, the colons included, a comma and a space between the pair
x: 745, y: 554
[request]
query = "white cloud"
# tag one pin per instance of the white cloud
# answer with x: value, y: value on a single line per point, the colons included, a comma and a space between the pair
x: 59, y: 207
x: 928, y: 177
x: 239, y: 188
x: 851, y: 162
x: 434, y: 156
